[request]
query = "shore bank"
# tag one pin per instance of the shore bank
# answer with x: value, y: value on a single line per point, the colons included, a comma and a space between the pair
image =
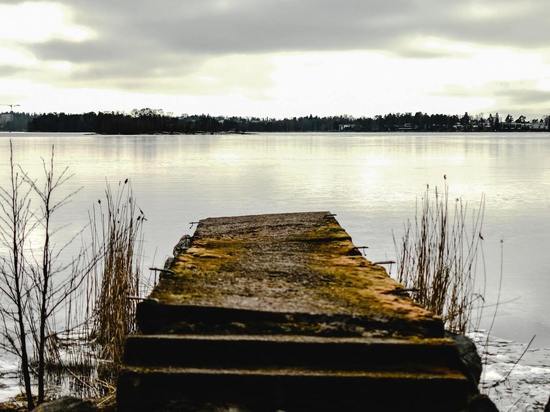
x: 526, y: 388
x: 513, y: 385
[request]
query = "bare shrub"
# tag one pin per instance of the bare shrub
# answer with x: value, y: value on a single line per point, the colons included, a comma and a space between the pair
x: 36, y: 280
x: 15, y: 282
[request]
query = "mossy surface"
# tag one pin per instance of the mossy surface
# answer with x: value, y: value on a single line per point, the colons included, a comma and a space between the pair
x: 287, y: 263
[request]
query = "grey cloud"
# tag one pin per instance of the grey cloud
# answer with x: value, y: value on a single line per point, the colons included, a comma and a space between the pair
x: 515, y: 97
x: 520, y: 96
x: 89, y: 51
x: 103, y: 56
x: 141, y: 38
x: 257, y: 26
x: 7, y: 70
x: 271, y: 25
x: 412, y: 52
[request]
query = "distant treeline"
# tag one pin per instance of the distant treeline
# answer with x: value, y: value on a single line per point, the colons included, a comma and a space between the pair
x: 146, y: 121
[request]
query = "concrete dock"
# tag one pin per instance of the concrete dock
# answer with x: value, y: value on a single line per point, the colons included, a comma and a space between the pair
x: 282, y: 312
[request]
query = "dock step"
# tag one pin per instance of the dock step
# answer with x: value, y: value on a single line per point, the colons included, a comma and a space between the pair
x: 155, y: 317
x: 283, y: 313
x: 290, y: 389
x: 343, y: 353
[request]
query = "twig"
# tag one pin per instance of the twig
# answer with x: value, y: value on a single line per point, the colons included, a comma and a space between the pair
x: 168, y: 271
x: 514, y: 365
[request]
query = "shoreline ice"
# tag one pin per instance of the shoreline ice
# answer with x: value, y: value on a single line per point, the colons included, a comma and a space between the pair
x: 526, y: 388
x: 9, y: 379
x: 527, y: 384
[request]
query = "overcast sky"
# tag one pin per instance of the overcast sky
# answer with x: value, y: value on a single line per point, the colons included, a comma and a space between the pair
x: 277, y: 57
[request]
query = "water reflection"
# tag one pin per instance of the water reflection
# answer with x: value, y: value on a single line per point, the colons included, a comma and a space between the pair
x: 370, y: 180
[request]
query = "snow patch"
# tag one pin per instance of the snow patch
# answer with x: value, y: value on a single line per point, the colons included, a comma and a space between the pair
x: 512, y: 385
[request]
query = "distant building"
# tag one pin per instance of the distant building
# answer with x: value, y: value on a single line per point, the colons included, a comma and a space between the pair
x: 346, y: 126
x: 537, y: 124
x: 5, y: 118
x: 406, y: 127
x: 521, y: 124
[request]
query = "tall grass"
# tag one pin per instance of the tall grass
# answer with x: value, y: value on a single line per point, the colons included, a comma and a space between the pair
x: 85, y: 356
x: 117, y: 229
x: 438, y: 257
x: 95, y: 288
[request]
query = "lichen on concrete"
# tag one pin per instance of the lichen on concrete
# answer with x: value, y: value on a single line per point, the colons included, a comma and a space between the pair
x: 290, y: 263
x: 282, y: 312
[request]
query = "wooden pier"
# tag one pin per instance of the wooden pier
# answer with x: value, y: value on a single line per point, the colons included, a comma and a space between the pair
x: 282, y: 312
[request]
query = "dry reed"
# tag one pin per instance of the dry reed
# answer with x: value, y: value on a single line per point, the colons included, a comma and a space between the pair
x: 438, y: 257
x: 95, y: 289
x: 85, y: 357
x: 116, y: 226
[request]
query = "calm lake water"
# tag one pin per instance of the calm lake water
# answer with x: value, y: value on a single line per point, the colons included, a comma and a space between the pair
x: 371, y: 181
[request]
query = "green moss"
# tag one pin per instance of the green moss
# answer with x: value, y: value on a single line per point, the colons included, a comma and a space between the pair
x: 313, y: 268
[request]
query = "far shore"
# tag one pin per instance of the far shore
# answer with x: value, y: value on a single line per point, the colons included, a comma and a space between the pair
x: 195, y: 133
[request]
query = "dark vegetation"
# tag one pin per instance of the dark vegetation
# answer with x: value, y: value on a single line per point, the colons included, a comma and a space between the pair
x: 148, y: 121
x: 66, y: 312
